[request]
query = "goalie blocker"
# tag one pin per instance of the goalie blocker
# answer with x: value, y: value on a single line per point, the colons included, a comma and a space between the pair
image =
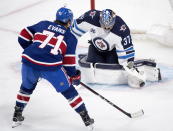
x: 103, y: 73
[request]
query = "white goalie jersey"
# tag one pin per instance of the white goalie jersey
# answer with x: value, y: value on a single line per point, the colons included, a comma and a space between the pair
x: 118, y: 37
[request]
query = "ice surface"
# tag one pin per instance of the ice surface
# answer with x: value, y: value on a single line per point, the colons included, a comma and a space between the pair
x: 48, y: 110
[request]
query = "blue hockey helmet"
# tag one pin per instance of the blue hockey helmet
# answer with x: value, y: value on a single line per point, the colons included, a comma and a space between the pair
x: 64, y: 15
x: 107, y: 19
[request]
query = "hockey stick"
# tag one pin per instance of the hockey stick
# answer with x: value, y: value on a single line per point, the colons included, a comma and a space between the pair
x: 131, y: 115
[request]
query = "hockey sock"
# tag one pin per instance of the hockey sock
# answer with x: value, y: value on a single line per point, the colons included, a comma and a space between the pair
x: 23, y: 97
x: 74, y: 99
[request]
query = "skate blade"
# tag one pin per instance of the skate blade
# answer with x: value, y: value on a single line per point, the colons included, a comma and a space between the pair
x: 90, y: 127
x: 15, y: 124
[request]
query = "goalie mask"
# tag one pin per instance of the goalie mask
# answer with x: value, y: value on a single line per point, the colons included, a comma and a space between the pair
x: 107, y: 19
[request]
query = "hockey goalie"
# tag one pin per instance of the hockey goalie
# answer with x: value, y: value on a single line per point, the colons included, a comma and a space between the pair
x: 111, y: 55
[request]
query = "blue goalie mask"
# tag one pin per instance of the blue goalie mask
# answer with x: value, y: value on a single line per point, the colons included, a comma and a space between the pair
x: 107, y: 19
x: 64, y: 15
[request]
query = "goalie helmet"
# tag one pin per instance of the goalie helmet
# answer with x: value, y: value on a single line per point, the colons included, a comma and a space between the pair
x: 64, y: 15
x: 107, y: 19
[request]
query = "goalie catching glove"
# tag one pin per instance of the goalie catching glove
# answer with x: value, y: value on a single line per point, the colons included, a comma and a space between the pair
x: 75, y: 80
x: 136, y: 79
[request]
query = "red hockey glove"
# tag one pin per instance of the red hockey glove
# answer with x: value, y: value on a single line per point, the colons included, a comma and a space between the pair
x: 75, y: 80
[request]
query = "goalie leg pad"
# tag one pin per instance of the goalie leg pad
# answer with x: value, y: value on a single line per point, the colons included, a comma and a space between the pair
x: 152, y: 73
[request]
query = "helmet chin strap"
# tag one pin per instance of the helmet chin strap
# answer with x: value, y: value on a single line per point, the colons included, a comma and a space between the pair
x: 107, y: 29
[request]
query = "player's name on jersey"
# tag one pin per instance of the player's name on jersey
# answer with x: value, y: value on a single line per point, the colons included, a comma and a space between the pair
x: 57, y: 29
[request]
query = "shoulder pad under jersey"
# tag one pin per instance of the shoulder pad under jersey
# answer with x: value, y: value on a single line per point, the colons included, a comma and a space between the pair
x: 91, y: 16
x: 120, y: 28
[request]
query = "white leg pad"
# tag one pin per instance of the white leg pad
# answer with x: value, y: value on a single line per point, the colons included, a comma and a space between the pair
x: 152, y: 73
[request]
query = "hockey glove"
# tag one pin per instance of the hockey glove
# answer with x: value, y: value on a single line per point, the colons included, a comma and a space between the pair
x: 75, y: 80
x: 136, y: 78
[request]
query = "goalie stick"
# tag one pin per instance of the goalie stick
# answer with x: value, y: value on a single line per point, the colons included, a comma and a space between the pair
x: 131, y: 115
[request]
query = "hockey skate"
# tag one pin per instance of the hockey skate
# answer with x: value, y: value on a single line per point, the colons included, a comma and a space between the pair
x: 17, y: 117
x: 87, y: 120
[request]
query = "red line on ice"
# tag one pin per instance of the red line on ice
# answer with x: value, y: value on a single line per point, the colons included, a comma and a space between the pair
x: 21, y: 9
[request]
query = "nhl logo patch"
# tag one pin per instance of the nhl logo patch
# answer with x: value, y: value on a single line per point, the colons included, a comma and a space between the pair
x: 92, y: 30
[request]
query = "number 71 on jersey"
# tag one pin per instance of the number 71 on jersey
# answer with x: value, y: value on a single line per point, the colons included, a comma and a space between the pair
x: 50, y: 35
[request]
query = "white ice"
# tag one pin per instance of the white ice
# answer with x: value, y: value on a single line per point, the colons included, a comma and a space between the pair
x: 48, y: 110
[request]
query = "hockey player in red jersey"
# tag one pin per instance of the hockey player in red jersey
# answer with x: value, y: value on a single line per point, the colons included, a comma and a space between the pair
x: 49, y: 53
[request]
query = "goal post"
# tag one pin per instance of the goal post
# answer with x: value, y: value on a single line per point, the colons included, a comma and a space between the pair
x: 92, y: 3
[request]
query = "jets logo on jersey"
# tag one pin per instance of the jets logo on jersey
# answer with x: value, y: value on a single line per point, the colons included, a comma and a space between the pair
x: 92, y: 14
x: 123, y: 28
x: 100, y: 44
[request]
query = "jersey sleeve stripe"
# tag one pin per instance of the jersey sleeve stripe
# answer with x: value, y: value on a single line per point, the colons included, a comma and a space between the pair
x: 128, y: 49
x: 24, y: 38
x: 77, y: 28
x: 26, y: 34
x: 76, y: 34
x: 29, y: 32
x: 69, y: 60
x: 127, y: 56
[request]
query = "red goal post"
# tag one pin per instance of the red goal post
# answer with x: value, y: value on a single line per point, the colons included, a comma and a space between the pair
x: 92, y: 3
